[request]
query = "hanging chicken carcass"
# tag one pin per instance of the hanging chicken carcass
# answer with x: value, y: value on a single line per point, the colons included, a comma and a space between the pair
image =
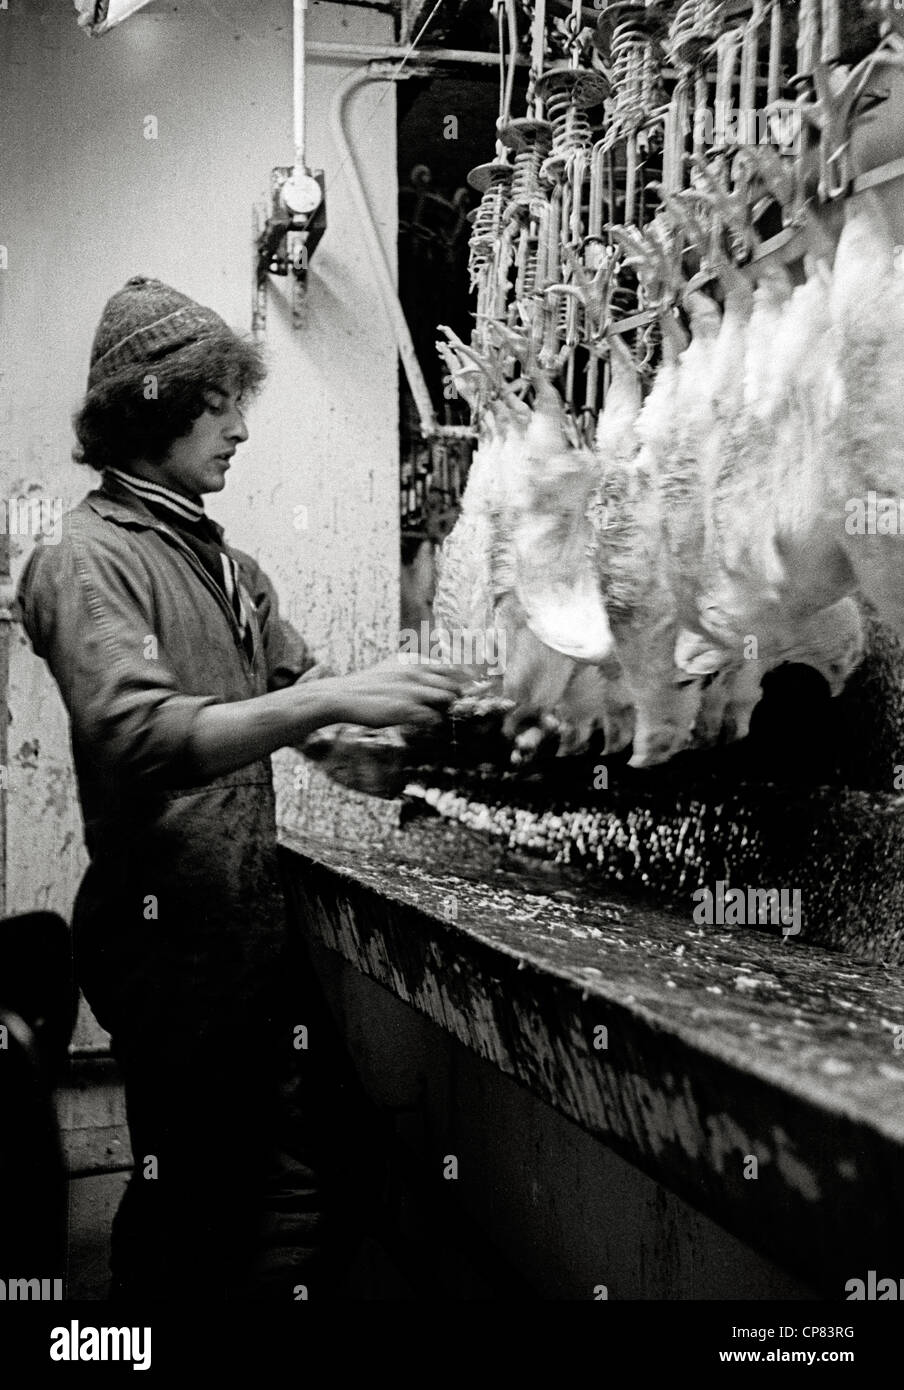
x: 867, y: 304
x: 714, y: 525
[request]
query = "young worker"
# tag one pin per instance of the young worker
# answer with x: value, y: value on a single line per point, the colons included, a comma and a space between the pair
x: 180, y: 679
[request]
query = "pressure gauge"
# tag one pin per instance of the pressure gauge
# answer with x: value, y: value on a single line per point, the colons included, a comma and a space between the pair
x: 301, y: 193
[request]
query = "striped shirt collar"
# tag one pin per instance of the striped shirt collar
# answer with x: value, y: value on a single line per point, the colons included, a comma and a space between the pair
x: 180, y: 506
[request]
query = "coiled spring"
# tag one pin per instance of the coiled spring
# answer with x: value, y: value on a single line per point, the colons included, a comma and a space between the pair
x: 487, y: 225
x: 564, y: 314
x: 527, y: 275
x: 685, y: 21
x: 526, y: 178
x: 570, y: 127
x: 631, y: 72
x: 692, y: 24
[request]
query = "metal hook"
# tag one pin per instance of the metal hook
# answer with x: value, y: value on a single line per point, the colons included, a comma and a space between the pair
x: 835, y: 184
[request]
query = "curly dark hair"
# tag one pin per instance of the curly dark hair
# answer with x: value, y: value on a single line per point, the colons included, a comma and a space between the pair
x: 117, y: 423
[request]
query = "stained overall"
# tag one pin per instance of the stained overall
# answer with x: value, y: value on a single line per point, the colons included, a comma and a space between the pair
x: 181, y: 939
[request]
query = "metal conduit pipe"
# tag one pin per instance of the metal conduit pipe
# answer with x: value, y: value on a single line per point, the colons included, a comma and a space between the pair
x: 382, y: 68
x: 424, y: 57
x: 381, y: 73
x: 298, y: 93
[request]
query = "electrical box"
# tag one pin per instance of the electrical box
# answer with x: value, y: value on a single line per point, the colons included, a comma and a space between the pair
x: 289, y: 236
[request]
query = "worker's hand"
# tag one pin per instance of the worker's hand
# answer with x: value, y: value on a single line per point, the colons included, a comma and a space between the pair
x: 316, y: 673
x: 400, y: 691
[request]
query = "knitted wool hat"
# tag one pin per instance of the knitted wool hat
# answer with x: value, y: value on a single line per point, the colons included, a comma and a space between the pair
x: 144, y: 322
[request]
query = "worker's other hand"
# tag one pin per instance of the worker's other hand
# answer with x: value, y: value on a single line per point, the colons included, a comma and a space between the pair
x: 319, y: 672
x: 402, y: 690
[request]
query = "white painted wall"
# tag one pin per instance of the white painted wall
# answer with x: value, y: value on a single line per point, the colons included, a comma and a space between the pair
x: 88, y: 201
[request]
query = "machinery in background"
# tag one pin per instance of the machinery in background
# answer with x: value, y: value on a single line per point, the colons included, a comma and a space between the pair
x: 295, y: 223
x: 287, y: 236
x: 433, y: 251
x: 433, y: 237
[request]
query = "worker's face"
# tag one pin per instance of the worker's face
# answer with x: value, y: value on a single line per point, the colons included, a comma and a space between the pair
x: 198, y: 462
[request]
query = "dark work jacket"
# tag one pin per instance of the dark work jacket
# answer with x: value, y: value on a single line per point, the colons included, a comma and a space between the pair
x: 179, y: 923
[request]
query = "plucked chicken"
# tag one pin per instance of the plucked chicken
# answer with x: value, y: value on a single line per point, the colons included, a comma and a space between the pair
x: 867, y: 306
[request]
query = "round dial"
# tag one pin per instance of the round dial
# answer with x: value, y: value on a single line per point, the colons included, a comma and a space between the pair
x: 301, y: 193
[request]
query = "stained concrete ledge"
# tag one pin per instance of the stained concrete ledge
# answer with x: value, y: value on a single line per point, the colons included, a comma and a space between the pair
x: 720, y: 1046
x: 841, y: 851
